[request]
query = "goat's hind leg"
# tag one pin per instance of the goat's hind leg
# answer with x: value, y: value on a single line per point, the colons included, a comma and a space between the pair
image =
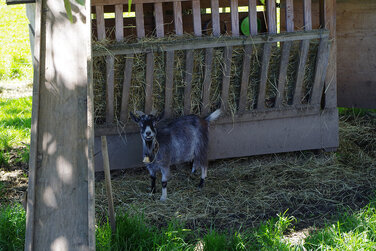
x: 204, y: 171
x: 165, y: 173
x: 152, y: 180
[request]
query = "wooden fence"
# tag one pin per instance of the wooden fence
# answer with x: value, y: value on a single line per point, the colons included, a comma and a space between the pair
x: 298, y: 121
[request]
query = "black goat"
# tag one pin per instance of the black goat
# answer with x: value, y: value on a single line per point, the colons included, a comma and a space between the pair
x: 184, y: 139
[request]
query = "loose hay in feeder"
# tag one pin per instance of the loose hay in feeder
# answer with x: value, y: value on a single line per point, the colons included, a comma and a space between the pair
x: 137, y: 90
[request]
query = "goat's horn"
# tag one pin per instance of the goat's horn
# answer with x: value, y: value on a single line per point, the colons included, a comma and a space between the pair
x: 139, y: 113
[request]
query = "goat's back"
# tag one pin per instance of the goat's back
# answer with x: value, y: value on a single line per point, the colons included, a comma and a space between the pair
x: 184, y: 139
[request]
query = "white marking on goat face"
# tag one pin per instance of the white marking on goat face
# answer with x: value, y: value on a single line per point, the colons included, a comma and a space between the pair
x: 148, y: 133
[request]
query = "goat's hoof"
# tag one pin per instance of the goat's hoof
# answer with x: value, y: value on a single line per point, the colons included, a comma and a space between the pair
x: 201, y: 184
x: 163, y: 198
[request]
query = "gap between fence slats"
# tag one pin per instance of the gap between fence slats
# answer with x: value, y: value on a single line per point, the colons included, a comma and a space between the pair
x: 119, y: 23
x: 207, y: 82
x: 126, y: 88
x: 245, y: 78
x: 226, y: 77
x: 320, y: 72
x: 189, y: 56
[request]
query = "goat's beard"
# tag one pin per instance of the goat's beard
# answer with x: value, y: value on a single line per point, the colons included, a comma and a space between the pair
x: 149, y: 149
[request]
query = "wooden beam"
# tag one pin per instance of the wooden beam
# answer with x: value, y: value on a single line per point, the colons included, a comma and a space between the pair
x: 178, y: 18
x: 196, y: 11
x: 226, y: 77
x: 119, y: 23
x: 215, y: 18
x: 234, y: 18
x: 158, y: 15
x: 189, y: 56
x: 206, y: 84
x: 245, y: 79
x: 252, y: 15
x: 207, y: 42
x: 126, y: 88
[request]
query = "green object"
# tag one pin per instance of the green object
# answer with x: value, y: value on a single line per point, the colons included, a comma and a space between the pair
x: 244, y: 27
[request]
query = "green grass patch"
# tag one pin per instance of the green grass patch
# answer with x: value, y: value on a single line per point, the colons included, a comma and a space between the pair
x: 12, y: 227
x: 15, y: 124
x: 15, y: 55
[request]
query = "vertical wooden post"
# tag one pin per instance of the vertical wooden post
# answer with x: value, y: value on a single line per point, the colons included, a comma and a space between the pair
x: 60, y: 212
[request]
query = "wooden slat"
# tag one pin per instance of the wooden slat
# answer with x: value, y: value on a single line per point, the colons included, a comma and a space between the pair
x: 234, y: 18
x: 149, y: 82
x: 264, y: 75
x: 252, y: 17
x: 158, y: 14
x: 207, y: 42
x: 289, y: 15
x: 320, y: 72
x: 271, y: 16
x: 100, y: 23
x: 178, y: 19
x: 119, y: 25
x: 110, y: 84
x: 285, y: 53
x: 169, y: 83
x: 196, y: 17
x: 207, y: 82
x: 245, y: 78
x: 307, y: 14
x: 140, y: 27
x: 215, y: 17
x: 303, y: 53
x: 226, y: 77
x: 322, y: 8
x: 126, y: 88
x: 112, y: 2
x: 189, y: 56
x: 283, y: 72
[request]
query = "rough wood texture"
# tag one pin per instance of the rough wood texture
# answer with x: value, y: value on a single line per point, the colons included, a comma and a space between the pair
x: 356, y: 53
x: 252, y: 17
x: 207, y: 82
x: 100, y: 23
x: 158, y: 15
x: 126, y: 87
x: 226, y: 77
x: 189, y: 56
x: 234, y: 18
x: 110, y: 89
x: 196, y: 17
x: 271, y: 16
x: 307, y: 14
x: 140, y: 27
x: 289, y: 15
x: 264, y: 75
x: 178, y: 19
x: 303, y: 54
x: 149, y: 82
x: 169, y: 83
x: 320, y: 72
x: 245, y: 78
x: 107, y: 175
x: 215, y: 17
x: 119, y: 29
x: 62, y: 209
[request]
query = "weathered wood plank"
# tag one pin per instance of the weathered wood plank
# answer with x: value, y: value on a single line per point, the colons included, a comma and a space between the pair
x: 158, y: 15
x: 207, y: 82
x: 101, y: 30
x: 245, y: 78
x: 215, y: 17
x: 207, y: 42
x: 320, y: 72
x: 169, y: 83
x: 119, y: 25
x: 264, y: 75
x: 178, y: 18
x: 234, y: 18
x: 289, y: 15
x: 149, y: 82
x: 189, y: 56
x: 107, y: 175
x: 303, y: 54
x: 307, y: 14
x: 286, y: 47
x: 196, y: 17
x: 226, y: 77
x: 61, y: 209
x: 110, y: 89
x: 271, y: 16
x: 140, y: 27
x: 126, y: 87
x: 252, y: 10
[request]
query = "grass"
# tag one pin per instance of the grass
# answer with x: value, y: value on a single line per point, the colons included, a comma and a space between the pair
x: 15, y: 60
x: 12, y: 227
x: 15, y: 124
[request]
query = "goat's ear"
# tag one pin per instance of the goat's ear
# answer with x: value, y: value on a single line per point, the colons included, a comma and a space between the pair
x: 134, y: 117
x: 160, y: 116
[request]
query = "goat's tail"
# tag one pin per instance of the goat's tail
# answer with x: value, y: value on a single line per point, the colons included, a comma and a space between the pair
x: 213, y: 116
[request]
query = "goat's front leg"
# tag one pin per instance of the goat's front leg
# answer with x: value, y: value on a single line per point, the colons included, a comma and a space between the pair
x: 152, y: 179
x: 165, y: 174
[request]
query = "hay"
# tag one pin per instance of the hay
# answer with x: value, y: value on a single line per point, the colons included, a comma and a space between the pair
x: 137, y: 92
x: 241, y: 193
